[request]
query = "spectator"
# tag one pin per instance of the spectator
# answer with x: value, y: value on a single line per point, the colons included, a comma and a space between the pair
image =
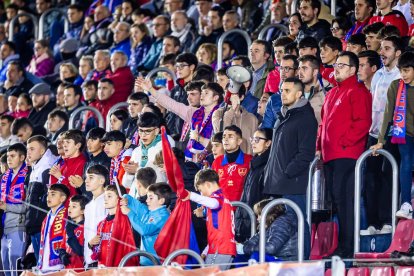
x: 308, y: 46
x: 396, y: 97
x: 295, y: 23
x: 6, y: 137
x: 76, y: 19
x: 122, y: 77
x: 371, y: 33
x: 68, y: 72
x: 160, y: 28
x: 390, y: 16
x: 90, y: 92
x: 117, y: 119
x: 105, y: 101
x: 339, y: 27
x: 42, y: 103
x: 262, y: 106
x: 16, y: 81
x: 364, y: 9
x: 72, y: 99
x: 101, y: 62
x: 369, y: 63
x: 198, y: 12
x: 100, y: 36
x: 404, y: 7
x: 122, y: 40
x: 309, y: 75
x: 42, y: 63
x: 356, y: 44
x: 141, y: 43
x: 85, y: 67
x: 95, y: 146
x: 128, y: 6
x: 330, y: 48
x: 41, y: 160
x: 341, y: 140
x: 23, y: 129
x: 231, y: 21
x: 313, y: 26
x: 23, y: 107
x: 74, y: 160
x: 57, y: 123
x: 88, y: 23
x: 278, y: 15
x: 254, y: 184
x: 207, y: 54
x: 181, y: 28
x: 136, y: 103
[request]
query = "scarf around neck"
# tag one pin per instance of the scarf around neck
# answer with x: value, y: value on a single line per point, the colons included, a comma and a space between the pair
x: 399, y: 121
x: 12, y: 189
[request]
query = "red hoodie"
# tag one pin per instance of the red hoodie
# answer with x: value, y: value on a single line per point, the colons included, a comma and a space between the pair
x: 395, y: 18
x: 123, y: 83
x: 346, y: 118
x: 71, y: 166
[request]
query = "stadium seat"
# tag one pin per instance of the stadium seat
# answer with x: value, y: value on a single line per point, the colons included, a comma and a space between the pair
x: 328, y: 272
x: 405, y: 271
x: 400, y: 242
x: 383, y: 271
x: 326, y: 240
x: 358, y: 271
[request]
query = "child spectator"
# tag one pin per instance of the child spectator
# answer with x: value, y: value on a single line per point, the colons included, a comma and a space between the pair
x: 148, y: 219
x: 53, y: 229
x: 114, y: 149
x: 23, y: 107
x: 220, y: 224
x: 216, y: 149
x: 72, y: 254
x: 57, y: 122
x: 143, y: 179
x: 74, y: 160
x: 95, y: 181
x: 13, y: 184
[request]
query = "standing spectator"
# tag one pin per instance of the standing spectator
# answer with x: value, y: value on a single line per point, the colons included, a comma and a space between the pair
x: 141, y: 43
x: 295, y: 22
x: 356, y: 44
x: 312, y: 25
x: 6, y: 137
x: 42, y: 62
x: 339, y: 28
x: 72, y: 98
x: 330, y: 48
x: 118, y: 117
x: 136, y: 103
x: 342, y: 134
x: 57, y: 123
x: 122, y: 77
x: 42, y: 103
x: 369, y: 63
x: 372, y: 36
x: 105, y: 101
x: 364, y: 9
x: 388, y: 16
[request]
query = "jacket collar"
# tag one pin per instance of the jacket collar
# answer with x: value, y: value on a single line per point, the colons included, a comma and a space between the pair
x: 348, y: 82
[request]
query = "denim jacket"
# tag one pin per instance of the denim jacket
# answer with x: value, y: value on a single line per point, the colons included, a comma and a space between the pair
x: 272, y: 108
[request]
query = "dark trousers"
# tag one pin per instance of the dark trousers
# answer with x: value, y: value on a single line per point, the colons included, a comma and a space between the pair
x: 339, y: 176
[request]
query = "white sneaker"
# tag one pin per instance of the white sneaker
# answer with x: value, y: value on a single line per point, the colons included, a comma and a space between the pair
x: 386, y: 229
x: 369, y: 231
x: 405, y: 212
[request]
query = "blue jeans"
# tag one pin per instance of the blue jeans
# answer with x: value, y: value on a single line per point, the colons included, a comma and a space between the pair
x: 36, y: 244
x: 407, y: 158
x: 12, y: 248
x: 300, y: 200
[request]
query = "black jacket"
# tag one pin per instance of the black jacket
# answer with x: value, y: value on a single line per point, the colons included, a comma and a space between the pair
x: 252, y: 193
x: 293, y: 148
x: 39, y: 118
x: 175, y: 123
x: 318, y: 31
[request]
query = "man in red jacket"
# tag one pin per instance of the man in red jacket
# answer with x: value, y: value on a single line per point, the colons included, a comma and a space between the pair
x: 342, y: 136
x: 106, y: 93
x: 122, y: 77
x: 388, y: 16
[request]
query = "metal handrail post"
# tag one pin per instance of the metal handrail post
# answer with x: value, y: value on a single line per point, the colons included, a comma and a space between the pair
x: 43, y: 18
x: 161, y: 69
x: 221, y: 42
x: 309, y: 190
x: 148, y: 255
x: 112, y: 110
x: 301, y: 227
x: 280, y: 27
x: 13, y: 23
x: 333, y: 7
x: 86, y: 108
x: 179, y: 252
x: 357, y: 195
x: 250, y: 211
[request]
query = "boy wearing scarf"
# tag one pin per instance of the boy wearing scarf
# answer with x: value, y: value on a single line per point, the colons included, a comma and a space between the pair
x: 13, y: 184
x: 399, y: 114
x: 53, y: 229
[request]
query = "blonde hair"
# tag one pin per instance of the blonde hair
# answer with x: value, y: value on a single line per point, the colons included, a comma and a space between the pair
x: 211, y: 49
x: 72, y: 68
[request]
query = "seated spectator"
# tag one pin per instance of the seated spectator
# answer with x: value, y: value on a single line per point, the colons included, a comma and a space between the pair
x: 122, y: 40
x: 72, y: 99
x: 41, y: 96
x: 23, y: 36
x: 85, y: 67
x: 42, y: 63
x: 24, y: 129
x: 117, y: 119
x: 57, y: 123
x: 122, y: 77
x: 141, y: 43
x: 102, y: 69
x: 330, y: 48
x: 364, y: 9
x: 207, y: 54
x: 339, y: 28
x: 90, y: 92
x: 308, y: 46
x: 16, y: 81
x: 182, y: 29
x: 74, y: 160
x: 371, y: 33
x: 23, y: 107
x: 76, y: 19
x: 390, y: 16
x: 128, y: 6
x: 60, y: 96
x: 312, y: 25
x: 7, y: 54
x: 356, y: 44
x: 278, y: 15
x: 281, y: 235
x: 6, y: 137
x: 68, y: 72
x: 88, y: 23
x: 105, y: 101
x: 295, y: 22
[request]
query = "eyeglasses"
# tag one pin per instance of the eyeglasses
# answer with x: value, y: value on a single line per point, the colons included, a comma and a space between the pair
x: 340, y: 65
x: 256, y: 139
x: 335, y: 29
x: 180, y: 65
x: 145, y: 131
x: 286, y: 69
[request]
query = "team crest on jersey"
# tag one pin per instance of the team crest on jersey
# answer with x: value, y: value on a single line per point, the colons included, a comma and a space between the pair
x: 231, y: 168
x: 220, y: 172
x: 78, y: 233
x: 242, y: 171
x: 331, y: 74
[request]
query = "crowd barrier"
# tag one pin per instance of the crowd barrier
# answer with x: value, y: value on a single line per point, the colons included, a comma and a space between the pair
x: 250, y: 211
x: 42, y: 19
x: 86, y: 108
x: 221, y: 42
x: 282, y: 28
x: 12, y: 25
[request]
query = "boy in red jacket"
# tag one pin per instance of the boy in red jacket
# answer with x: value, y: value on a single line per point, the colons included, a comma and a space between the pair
x: 73, y: 162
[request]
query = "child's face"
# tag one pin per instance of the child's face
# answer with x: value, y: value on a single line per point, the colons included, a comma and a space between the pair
x: 22, y: 104
x: 74, y: 210
x: 110, y: 200
x: 94, y: 145
x: 94, y: 182
x: 70, y: 148
x: 223, y: 80
x: 112, y: 148
x: 14, y: 159
x: 141, y: 189
x: 153, y: 201
x: 217, y: 149
x: 204, y: 189
x: 55, y: 198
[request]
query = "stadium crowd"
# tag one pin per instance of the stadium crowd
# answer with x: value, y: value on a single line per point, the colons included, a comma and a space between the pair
x: 76, y: 195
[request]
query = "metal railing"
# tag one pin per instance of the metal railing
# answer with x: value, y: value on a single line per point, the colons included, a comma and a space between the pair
x: 221, y: 42
x: 301, y: 227
x: 140, y: 253
x: 112, y: 110
x: 86, y: 108
x: 312, y: 167
x: 333, y: 7
x: 282, y: 28
x: 179, y: 252
x: 251, y: 214
x: 13, y: 25
x: 44, y: 16
x: 161, y: 69
x: 357, y: 195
